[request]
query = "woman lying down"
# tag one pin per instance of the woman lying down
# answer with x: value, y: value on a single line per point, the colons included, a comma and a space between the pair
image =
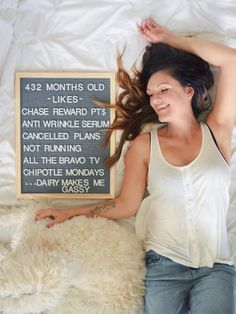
x: 184, y: 164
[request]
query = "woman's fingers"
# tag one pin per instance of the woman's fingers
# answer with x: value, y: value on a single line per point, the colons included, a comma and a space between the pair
x: 143, y: 32
x: 153, y: 32
x: 148, y: 24
x: 51, y: 223
x: 144, y: 24
x: 151, y: 23
x: 57, y: 219
x: 41, y: 214
x: 57, y: 216
x: 148, y: 30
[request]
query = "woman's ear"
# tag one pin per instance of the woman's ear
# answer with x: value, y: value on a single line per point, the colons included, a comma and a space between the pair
x: 189, y: 91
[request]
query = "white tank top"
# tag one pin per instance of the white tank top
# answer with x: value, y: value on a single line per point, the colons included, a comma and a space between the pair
x: 184, y: 216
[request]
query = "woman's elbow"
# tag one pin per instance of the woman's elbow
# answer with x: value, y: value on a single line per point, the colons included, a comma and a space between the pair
x: 128, y: 207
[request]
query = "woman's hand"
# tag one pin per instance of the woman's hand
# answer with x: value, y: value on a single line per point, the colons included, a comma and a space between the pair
x: 154, y: 33
x: 57, y: 216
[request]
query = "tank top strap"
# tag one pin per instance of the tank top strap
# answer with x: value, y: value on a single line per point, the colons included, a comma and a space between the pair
x: 154, y: 149
x: 210, y: 141
x: 154, y: 162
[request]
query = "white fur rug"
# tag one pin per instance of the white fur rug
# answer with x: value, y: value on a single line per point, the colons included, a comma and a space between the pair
x: 85, y: 265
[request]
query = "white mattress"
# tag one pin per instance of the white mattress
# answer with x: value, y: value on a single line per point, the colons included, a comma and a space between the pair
x: 79, y: 35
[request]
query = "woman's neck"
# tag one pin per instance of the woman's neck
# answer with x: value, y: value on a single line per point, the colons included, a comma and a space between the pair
x: 182, y: 130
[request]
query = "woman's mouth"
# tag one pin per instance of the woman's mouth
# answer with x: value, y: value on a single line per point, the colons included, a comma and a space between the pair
x: 162, y: 107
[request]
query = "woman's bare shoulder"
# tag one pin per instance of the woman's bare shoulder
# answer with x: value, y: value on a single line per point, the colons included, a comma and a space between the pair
x: 141, y: 146
x: 142, y: 139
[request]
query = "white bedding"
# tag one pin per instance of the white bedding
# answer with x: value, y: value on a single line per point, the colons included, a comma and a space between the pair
x: 85, y: 36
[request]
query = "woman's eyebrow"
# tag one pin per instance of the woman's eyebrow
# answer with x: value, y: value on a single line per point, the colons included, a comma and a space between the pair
x: 157, y: 85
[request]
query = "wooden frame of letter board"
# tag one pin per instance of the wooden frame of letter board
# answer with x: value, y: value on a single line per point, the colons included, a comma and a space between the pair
x: 18, y: 76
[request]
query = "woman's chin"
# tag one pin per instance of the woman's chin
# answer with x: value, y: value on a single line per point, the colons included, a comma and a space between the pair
x: 162, y: 119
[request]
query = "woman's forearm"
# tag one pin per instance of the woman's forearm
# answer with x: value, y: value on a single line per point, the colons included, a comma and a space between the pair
x: 113, y: 209
x: 214, y: 53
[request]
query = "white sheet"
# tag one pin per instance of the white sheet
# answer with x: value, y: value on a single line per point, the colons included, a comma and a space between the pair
x: 79, y: 35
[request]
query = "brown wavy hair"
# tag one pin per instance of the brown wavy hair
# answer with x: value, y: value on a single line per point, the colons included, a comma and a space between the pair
x: 133, y: 110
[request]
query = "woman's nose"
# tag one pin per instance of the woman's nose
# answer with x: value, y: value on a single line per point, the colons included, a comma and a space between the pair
x: 156, y: 99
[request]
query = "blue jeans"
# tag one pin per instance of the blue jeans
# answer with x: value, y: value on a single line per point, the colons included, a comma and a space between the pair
x: 173, y: 288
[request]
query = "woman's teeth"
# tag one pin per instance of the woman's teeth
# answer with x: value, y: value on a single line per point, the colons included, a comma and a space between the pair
x: 162, y: 107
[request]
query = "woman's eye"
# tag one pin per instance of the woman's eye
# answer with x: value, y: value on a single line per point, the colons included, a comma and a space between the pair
x: 164, y: 90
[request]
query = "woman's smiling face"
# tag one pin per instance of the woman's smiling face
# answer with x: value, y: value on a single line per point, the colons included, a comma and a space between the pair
x: 168, y: 97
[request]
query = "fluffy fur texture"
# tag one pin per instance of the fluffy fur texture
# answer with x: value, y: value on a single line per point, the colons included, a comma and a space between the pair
x: 85, y: 265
